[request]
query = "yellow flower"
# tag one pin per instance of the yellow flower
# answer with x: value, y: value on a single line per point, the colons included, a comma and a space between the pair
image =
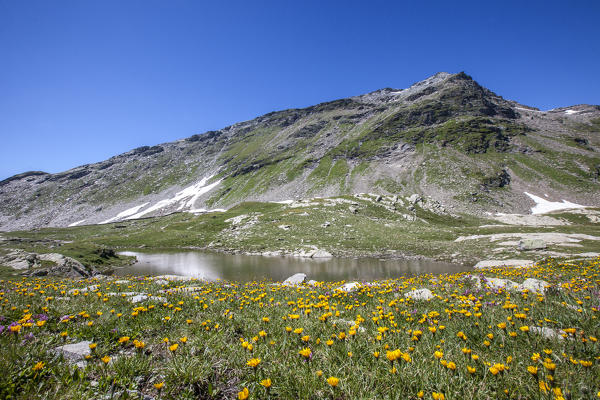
x: 319, y: 373
x: 451, y: 365
x: 306, y: 352
x: 438, y: 354
x: 183, y: 339
x: 105, y: 359
x: 124, y: 339
x: 159, y: 386
x: 438, y: 396
x: 470, y: 369
x: 38, y: 366
x: 333, y: 381
x: 93, y: 346
x: 243, y: 395
x: 266, y: 382
x: 420, y: 394
x: 174, y: 346
x: 532, y: 370
x: 524, y: 328
x: 253, y: 362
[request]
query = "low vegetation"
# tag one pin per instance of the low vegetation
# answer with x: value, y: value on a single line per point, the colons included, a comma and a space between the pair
x: 194, y: 339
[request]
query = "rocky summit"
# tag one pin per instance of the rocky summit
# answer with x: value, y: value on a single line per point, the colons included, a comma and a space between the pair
x: 446, y: 138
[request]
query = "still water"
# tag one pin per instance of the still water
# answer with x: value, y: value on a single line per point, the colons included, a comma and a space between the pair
x: 212, y: 266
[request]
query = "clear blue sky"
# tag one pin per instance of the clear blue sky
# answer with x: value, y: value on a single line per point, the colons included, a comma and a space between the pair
x: 81, y: 81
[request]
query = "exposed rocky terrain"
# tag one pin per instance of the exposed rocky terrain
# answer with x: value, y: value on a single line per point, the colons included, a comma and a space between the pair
x: 445, y: 137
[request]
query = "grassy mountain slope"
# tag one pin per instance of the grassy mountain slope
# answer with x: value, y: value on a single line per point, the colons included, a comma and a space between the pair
x: 446, y: 137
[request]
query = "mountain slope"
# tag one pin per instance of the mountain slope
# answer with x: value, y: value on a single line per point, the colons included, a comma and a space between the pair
x: 446, y: 137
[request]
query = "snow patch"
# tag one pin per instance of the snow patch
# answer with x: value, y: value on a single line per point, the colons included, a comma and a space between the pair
x: 124, y: 214
x: 186, y: 199
x: 77, y: 223
x: 543, y: 206
x: 571, y: 112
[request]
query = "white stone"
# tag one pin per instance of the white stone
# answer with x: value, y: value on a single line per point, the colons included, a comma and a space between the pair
x: 534, y: 285
x: 548, y: 333
x: 349, y: 287
x: 420, y: 294
x: 295, y: 279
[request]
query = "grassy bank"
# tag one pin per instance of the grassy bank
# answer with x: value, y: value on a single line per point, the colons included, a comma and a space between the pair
x: 227, y: 339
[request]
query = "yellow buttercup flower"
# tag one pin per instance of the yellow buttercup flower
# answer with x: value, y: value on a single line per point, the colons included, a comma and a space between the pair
x: 333, y: 381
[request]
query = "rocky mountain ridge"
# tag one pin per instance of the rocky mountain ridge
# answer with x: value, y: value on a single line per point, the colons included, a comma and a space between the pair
x: 445, y: 137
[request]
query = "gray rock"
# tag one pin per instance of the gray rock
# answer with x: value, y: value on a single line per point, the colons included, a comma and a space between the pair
x: 415, y: 199
x: 295, y: 279
x: 353, y: 210
x: 321, y: 254
x: 161, y: 282
x: 74, y: 352
x: 503, y: 263
x: 532, y: 244
x: 497, y: 283
x: 419, y: 294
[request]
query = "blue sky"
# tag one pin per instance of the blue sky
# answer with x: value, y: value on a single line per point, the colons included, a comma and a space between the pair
x: 81, y: 81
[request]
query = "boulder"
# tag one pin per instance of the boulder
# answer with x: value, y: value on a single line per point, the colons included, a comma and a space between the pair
x: 419, y: 294
x: 534, y: 285
x: 321, y: 254
x: 349, y: 287
x: 532, y: 244
x: 74, y: 352
x: 295, y: 279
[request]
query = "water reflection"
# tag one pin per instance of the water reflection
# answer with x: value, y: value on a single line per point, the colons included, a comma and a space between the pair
x: 214, y: 266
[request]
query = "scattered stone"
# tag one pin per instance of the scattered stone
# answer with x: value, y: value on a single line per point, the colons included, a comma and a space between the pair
x: 532, y: 244
x: 503, y: 263
x: 161, y: 282
x: 122, y: 282
x: 347, y: 322
x: 91, y: 288
x: 174, y: 278
x: 548, y: 333
x: 295, y: 279
x: 419, y: 294
x: 497, y: 283
x: 326, y: 224
x: 353, y: 210
x: 284, y: 227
